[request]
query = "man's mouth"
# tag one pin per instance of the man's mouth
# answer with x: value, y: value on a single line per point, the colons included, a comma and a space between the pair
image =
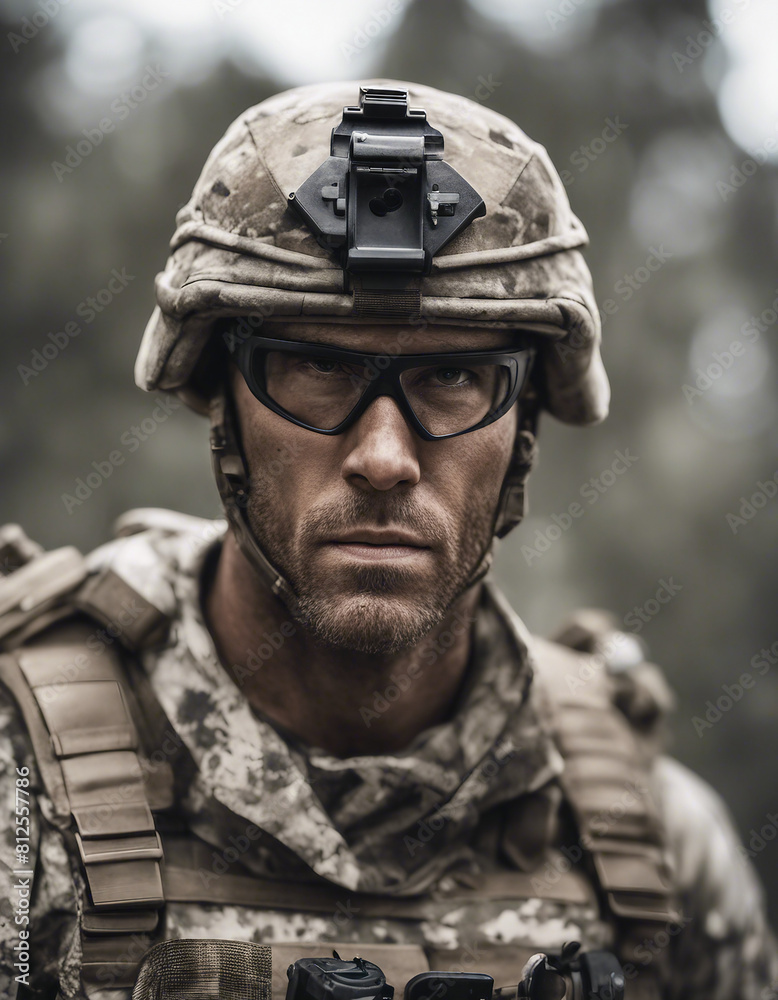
x: 374, y: 544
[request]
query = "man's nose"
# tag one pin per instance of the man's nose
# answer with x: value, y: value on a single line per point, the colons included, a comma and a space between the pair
x: 383, y: 448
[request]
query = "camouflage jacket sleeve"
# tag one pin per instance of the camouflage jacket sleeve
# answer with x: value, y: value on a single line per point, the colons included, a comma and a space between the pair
x: 725, y: 949
x: 51, y: 917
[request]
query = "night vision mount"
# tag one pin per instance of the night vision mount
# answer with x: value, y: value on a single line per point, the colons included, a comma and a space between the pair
x: 385, y: 197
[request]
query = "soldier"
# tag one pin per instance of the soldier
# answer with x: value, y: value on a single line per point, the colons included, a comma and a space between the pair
x: 318, y: 723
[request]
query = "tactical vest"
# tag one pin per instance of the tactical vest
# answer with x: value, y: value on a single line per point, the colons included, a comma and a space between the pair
x: 87, y: 734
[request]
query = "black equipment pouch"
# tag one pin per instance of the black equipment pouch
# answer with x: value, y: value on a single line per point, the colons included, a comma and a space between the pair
x: 571, y: 975
x: 334, y: 979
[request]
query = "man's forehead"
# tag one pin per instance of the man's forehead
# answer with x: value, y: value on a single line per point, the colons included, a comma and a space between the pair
x: 401, y: 338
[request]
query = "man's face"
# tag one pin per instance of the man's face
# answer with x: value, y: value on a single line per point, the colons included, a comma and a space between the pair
x: 376, y: 529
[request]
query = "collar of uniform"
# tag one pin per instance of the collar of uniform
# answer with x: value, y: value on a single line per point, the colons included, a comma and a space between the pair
x: 388, y: 822
x: 411, y: 815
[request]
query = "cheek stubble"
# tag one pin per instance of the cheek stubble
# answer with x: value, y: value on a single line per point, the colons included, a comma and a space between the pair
x: 381, y: 608
x: 377, y: 609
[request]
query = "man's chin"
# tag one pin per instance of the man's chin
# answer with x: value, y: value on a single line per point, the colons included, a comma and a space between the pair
x: 368, y: 622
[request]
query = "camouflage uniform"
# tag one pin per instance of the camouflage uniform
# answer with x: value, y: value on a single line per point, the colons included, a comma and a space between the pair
x: 386, y: 823
x: 468, y: 843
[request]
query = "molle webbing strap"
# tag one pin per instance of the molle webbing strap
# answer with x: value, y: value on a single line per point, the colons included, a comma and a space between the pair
x: 386, y: 304
x: 606, y: 783
x: 388, y: 298
x: 87, y: 745
x: 94, y: 739
x: 189, y: 877
x: 48, y: 765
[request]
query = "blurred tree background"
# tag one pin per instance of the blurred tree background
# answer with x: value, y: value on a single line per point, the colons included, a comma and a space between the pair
x: 662, y: 119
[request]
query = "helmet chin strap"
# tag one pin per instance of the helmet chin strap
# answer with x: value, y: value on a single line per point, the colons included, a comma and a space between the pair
x: 232, y: 480
x: 511, y: 507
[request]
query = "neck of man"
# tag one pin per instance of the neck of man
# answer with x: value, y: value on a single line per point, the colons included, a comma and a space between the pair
x: 346, y: 702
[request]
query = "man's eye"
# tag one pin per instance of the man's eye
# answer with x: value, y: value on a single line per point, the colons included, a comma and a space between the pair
x: 453, y: 376
x: 323, y: 366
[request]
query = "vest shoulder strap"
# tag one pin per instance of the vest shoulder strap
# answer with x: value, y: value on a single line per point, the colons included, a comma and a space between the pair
x: 606, y: 782
x: 30, y: 591
x: 65, y: 632
x: 38, y: 588
x: 76, y: 707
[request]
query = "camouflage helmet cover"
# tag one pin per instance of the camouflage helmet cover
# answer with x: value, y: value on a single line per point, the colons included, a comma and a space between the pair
x: 239, y: 249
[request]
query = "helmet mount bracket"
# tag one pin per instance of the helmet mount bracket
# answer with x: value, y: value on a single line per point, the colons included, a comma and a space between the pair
x: 385, y: 199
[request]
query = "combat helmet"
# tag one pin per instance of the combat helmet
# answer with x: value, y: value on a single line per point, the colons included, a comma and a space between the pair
x: 271, y: 231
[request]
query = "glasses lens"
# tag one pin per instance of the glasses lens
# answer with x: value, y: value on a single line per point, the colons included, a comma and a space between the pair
x: 447, y: 399
x: 321, y: 392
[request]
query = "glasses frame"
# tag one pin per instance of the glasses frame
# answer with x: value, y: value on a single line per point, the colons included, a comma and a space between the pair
x: 387, y: 383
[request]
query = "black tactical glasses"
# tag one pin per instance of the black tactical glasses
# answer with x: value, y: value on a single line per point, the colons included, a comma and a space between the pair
x: 326, y: 389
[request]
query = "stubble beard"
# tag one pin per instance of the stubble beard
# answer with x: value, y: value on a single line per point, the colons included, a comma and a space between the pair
x: 380, y: 609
